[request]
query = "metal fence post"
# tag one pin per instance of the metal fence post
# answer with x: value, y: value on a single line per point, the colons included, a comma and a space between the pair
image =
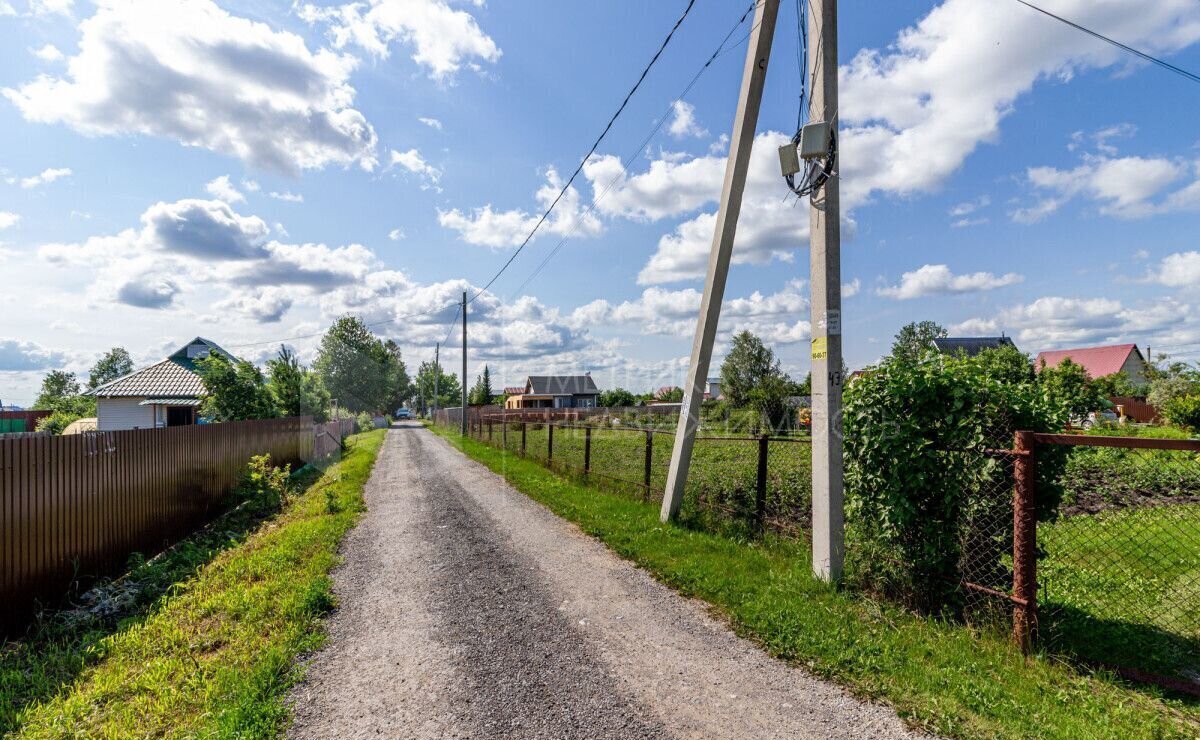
x: 489, y: 430
x: 649, y: 461
x: 523, y: 425
x: 504, y: 434
x: 549, y: 441
x: 587, y: 449
x: 760, y: 486
x: 1024, y: 541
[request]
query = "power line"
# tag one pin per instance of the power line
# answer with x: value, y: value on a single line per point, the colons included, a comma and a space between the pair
x: 1152, y: 59
x: 591, y: 151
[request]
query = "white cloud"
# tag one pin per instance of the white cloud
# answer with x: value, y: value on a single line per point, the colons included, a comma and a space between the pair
x: 939, y: 280
x: 45, y: 177
x: 971, y: 206
x: 287, y: 196
x: 1180, y: 270
x: 431, y: 123
x: 48, y: 53
x: 8, y: 219
x: 50, y: 7
x: 1124, y: 187
x: 444, y: 39
x: 222, y: 189
x: 193, y: 73
x: 683, y: 121
x: 918, y: 108
x: 416, y: 164
x: 396, y: 234
x: 851, y: 289
x: 18, y: 356
x: 251, y: 186
x: 266, y: 305
x: 6, y: 9
x: 491, y: 228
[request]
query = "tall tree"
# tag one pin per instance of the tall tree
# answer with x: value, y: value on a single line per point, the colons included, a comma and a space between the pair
x: 113, y: 364
x: 449, y: 391
x: 296, y: 390
x: 916, y: 338
x: 1068, y: 388
x: 617, y: 397
x: 58, y: 387
x: 234, y: 390
x: 748, y: 364
x: 481, y: 392
x: 355, y: 366
x: 399, y: 386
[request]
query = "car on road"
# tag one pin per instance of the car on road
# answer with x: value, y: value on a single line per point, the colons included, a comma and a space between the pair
x: 403, y: 413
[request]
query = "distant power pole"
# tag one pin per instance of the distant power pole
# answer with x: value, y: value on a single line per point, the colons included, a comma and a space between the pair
x: 825, y: 261
x: 437, y: 374
x: 464, y: 374
x: 740, y: 144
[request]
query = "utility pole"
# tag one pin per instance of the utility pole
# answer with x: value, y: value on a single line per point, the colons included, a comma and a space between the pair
x: 464, y: 374
x: 825, y: 262
x: 437, y: 375
x: 753, y: 76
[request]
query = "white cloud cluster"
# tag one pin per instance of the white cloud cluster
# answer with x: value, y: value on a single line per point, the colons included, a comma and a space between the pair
x: 192, y: 72
x: 286, y: 196
x: 45, y: 177
x: 48, y: 53
x: 1123, y: 187
x: 222, y: 189
x: 416, y: 164
x: 1180, y: 270
x: 498, y: 229
x: 683, y: 121
x: 20, y: 356
x: 930, y: 280
x: 916, y: 110
x: 444, y: 39
x: 431, y: 123
x: 8, y: 219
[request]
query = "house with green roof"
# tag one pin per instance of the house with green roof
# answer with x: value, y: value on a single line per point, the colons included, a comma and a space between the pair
x: 165, y: 394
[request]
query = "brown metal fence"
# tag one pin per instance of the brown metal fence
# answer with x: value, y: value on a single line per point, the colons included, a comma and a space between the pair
x: 1112, y: 579
x: 760, y: 482
x: 77, y: 506
x: 327, y: 438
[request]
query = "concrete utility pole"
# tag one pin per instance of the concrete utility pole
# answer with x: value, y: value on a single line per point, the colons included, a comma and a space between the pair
x: 741, y: 141
x: 464, y: 375
x: 825, y: 260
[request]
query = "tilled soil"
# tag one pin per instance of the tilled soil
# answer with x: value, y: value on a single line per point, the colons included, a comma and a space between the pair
x: 468, y: 610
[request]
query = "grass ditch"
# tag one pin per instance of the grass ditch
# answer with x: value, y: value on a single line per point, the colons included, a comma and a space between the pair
x: 201, y: 640
x: 940, y: 676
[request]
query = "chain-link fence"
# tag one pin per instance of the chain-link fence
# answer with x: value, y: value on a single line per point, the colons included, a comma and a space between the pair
x: 750, y: 482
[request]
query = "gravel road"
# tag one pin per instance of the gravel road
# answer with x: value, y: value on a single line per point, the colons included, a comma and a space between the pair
x: 468, y: 610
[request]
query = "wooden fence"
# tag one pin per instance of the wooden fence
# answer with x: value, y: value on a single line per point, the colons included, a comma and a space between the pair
x: 75, y: 507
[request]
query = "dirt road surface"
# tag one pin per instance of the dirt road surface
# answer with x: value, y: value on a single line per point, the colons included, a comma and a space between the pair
x: 468, y: 610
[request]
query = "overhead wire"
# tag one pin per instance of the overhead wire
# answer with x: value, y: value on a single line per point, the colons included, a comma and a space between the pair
x: 1095, y: 34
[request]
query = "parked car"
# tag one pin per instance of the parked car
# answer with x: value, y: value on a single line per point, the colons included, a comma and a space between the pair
x: 403, y: 413
x: 1105, y: 416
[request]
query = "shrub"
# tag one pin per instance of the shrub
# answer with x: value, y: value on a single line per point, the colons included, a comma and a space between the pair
x: 364, y: 421
x: 917, y: 473
x: 1184, y: 411
x: 56, y: 422
x: 264, y: 487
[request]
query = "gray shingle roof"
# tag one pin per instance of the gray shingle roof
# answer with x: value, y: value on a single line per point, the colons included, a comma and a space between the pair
x: 970, y: 345
x: 166, y: 379
x: 560, y: 385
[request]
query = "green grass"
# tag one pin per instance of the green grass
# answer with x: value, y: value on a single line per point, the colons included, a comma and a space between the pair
x: 1123, y: 587
x: 211, y: 650
x: 938, y: 675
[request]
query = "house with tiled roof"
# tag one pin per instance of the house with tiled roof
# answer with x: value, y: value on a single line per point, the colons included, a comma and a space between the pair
x: 1101, y: 361
x: 970, y: 346
x: 165, y: 394
x: 555, y: 392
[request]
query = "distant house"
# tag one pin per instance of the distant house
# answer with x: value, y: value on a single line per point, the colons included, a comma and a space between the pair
x: 1101, y: 361
x: 971, y: 346
x: 712, y: 388
x: 555, y: 392
x: 165, y: 394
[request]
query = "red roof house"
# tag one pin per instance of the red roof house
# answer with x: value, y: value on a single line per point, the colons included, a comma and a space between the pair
x: 1101, y: 361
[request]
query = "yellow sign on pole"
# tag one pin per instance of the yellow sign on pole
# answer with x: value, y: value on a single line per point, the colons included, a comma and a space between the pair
x: 820, y: 348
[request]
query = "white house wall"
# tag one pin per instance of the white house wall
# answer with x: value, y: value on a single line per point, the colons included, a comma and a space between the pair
x: 116, y: 414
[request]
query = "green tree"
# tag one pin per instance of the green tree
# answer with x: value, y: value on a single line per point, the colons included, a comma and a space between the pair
x: 1069, y: 390
x: 113, y: 364
x: 674, y: 394
x: 616, y: 397
x: 357, y: 369
x: 399, y: 385
x: 234, y: 390
x: 296, y: 390
x: 748, y: 364
x: 481, y: 392
x: 1119, y: 384
x: 449, y: 391
x: 58, y: 387
x: 916, y: 338
x: 1183, y: 411
x: 1006, y: 364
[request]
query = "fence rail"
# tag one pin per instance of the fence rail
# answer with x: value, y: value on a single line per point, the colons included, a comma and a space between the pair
x: 77, y: 506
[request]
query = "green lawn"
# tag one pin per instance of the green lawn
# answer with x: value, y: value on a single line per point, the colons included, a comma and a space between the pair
x: 1123, y: 587
x: 209, y: 648
x: 939, y: 676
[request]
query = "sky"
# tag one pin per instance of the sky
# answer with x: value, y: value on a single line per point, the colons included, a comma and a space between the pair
x: 249, y: 170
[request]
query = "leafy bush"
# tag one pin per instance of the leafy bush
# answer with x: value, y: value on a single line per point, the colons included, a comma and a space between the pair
x: 917, y: 473
x: 364, y: 421
x: 56, y: 422
x: 1184, y: 411
x: 264, y: 487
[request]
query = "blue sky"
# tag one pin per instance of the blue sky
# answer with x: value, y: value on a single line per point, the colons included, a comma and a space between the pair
x: 249, y: 170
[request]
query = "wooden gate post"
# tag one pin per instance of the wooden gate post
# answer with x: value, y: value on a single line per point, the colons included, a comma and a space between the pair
x: 760, y: 486
x: 649, y: 462
x: 587, y: 449
x: 523, y: 425
x: 549, y: 441
x: 1024, y: 541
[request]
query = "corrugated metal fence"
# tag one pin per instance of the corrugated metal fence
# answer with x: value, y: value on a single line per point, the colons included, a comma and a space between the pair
x: 78, y: 506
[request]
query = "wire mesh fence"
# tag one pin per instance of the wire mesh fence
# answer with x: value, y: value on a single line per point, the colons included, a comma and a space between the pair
x: 755, y: 482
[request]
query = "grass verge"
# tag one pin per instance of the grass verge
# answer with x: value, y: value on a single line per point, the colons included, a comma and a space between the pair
x: 939, y: 676
x: 212, y: 651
